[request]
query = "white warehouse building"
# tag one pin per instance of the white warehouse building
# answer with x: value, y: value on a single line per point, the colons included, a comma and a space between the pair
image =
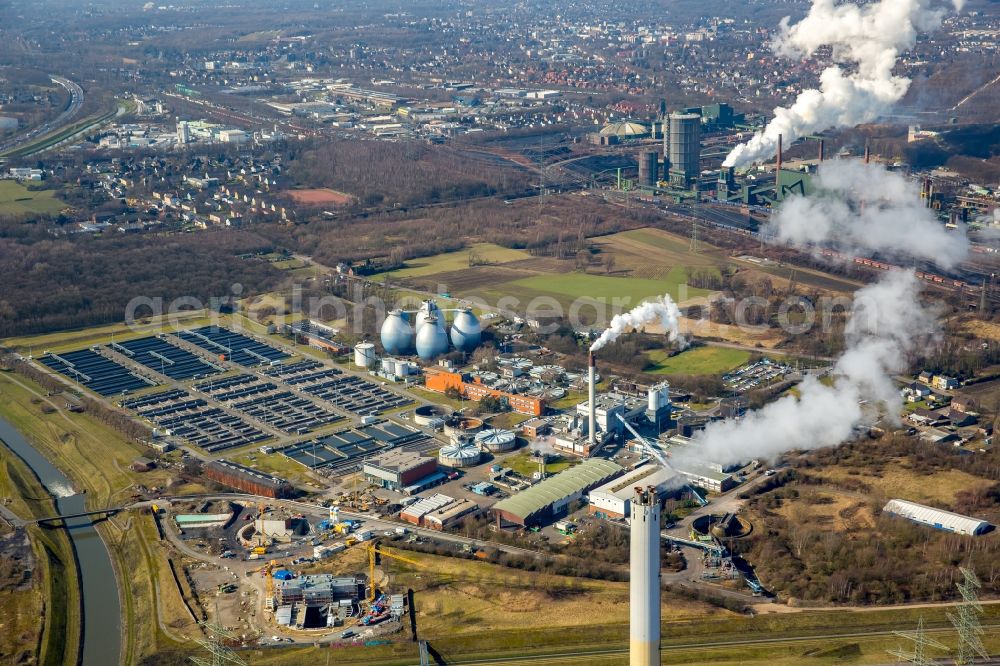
x: 614, y: 499
x: 937, y: 518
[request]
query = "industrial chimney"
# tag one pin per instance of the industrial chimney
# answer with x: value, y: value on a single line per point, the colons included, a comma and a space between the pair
x: 592, y: 402
x: 644, y: 578
x: 777, y: 170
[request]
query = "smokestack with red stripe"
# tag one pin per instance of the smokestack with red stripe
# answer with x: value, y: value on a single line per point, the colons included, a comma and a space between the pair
x: 592, y: 402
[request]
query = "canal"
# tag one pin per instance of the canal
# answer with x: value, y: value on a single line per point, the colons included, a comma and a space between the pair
x: 101, y: 604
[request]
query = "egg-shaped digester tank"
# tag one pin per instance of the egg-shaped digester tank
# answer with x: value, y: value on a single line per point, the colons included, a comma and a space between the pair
x: 397, y: 336
x: 466, y: 332
x: 432, y: 341
x: 429, y: 309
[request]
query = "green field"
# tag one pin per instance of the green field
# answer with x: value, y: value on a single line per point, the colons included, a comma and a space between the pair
x: 456, y: 261
x: 16, y: 199
x: 69, y: 340
x: 658, y: 239
x: 525, y: 466
x: 697, y: 361
x: 607, y: 288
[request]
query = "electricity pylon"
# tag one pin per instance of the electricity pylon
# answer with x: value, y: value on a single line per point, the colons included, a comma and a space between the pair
x: 219, y: 654
x: 921, y: 642
x: 966, y: 621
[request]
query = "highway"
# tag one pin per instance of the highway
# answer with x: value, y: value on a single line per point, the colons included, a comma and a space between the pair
x: 64, y: 118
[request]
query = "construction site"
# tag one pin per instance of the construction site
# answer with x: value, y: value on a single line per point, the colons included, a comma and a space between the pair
x: 277, y: 574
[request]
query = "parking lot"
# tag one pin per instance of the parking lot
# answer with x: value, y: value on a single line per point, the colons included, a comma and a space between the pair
x: 754, y: 375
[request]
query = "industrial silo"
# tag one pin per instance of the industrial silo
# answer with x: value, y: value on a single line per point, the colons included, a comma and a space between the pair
x: 432, y: 341
x: 364, y: 355
x: 460, y: 454
x: 684, y: 144
x: 649, y: 168
x: 466, y: 332
x: 397, y: 336
x: 496, y: 440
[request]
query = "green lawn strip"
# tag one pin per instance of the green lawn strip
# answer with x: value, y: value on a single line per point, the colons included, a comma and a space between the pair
x: 697, y: 361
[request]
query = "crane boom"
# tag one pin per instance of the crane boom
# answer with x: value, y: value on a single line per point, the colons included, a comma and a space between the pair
x: 655, y: 451
x: 652, y: 449
x: 372, y: 550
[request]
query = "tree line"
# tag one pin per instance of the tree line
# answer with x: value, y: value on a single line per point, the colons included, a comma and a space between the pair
x: 78, y: 281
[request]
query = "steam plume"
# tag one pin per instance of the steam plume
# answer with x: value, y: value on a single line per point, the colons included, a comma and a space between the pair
x: 867, y: 38
x: 887, y: 322
x: 663, y: 309
x: 859, y: 208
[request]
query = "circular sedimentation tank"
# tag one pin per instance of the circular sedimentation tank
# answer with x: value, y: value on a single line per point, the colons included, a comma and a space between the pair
x: 722, y: 527
x: 466, y: 331
x: 396, y: 334
x: 457, y: 426
x: 426, y: 414
x: 459, y: 454
x: 496, y: 440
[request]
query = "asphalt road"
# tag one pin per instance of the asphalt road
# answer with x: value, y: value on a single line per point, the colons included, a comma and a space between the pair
x: 75, y: 104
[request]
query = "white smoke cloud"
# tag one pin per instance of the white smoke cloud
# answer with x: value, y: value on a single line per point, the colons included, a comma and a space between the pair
x: 662, y: 310
x: 869, y: 38
x: 887, y: 323
x: 861, y: 208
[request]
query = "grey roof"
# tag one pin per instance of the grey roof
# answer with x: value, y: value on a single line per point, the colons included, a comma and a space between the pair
x: 576, y: 479
x: 937, y: 517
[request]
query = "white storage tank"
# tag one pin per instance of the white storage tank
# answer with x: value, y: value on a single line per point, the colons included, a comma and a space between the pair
x: 496, y: 440
x: 364, y: 355
x: 459, y: 454
x: 659, y: 396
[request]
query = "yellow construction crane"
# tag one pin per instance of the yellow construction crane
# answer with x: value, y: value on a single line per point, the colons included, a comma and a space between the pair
x: 373, y: 549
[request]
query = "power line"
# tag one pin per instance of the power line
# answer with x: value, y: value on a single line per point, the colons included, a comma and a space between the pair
x: 921, y: 641
x: 965, y: 619
x: 219, y: 653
